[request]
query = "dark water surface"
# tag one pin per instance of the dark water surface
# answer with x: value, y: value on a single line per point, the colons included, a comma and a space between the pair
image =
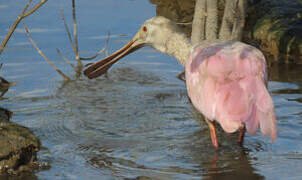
x: 138, y: 121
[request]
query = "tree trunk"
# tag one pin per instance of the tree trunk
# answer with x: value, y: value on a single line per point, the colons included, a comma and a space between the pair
x: 198, y: 26
x: 212, y: 20
x: 205, y: 21
x: 227, y: 20
x: 239, y: 20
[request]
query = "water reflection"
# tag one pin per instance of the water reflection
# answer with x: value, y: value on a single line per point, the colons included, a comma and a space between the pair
x: 231, y: 161
x: 282, y: 72
x: 235, y: 165
x: 222, y: 165
x: 25, y: 176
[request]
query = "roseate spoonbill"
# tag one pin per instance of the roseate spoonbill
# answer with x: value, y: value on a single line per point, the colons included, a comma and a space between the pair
x: 226, y: 81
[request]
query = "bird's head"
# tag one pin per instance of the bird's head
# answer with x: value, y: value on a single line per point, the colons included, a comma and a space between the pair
x: 154, y: 32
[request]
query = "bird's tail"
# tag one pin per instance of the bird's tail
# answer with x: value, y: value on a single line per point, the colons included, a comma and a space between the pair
x: 247, y: 102
x: 262, y: 112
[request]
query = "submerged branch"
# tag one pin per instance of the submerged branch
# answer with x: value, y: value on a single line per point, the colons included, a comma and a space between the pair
x: 18, y: 20
x: 67, y: 30
x: 75, y: 38
x: 93, y: 57
x: 41, y: 53
x: 66, y: 60
x: 100, y: 51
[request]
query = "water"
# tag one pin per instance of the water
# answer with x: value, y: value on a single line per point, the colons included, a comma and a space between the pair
x: 137, y: 123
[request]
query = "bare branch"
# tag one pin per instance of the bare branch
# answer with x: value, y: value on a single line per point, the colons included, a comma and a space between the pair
x: 34, y: 8
x: 212, y: 20
x: 91, y: 58
x: 184, y: 23
x: 67, y: 30
x: 227, y: 20
x: 239, y: 23
x: 26, y: 6
x: 41, y: 53
x: 66, y: 60
x: 17, y: 21
x: 100, y: 51
x: 75, y: 38
x: 198, y: 26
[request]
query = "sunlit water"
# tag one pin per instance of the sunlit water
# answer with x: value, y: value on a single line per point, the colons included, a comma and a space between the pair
x: 137, y: 122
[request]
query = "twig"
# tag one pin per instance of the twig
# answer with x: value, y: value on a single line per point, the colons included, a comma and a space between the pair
x: 17, y: 21
x: 66, y: 60
x: 26, y: 6
x: 67, y: 29
x: 100, y: 51
x: 34, y: 8
x: 11, y: 30
x: 91, y: 58
x: 184, y: 23
x: 41, y: 53
x: 75, y: 38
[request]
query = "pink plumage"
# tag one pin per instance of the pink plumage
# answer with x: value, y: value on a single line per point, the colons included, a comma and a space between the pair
x: 227, y: 83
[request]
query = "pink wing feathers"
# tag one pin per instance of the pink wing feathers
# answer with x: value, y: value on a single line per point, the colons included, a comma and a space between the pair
x: 227, y: 83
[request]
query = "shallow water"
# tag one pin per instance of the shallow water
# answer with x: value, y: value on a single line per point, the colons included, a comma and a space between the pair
x: 137, y: 122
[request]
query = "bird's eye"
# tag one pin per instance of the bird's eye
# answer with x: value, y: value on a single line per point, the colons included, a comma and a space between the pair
x: 145, y: 29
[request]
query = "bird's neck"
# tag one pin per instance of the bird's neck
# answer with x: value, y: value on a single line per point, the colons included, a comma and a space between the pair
x: 177, y: 45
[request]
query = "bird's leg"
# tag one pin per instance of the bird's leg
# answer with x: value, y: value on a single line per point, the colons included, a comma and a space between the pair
x: 213, y: 133
x: 241, y: 135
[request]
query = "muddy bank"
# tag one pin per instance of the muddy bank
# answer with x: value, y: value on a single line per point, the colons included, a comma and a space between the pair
x: 4, y: 85
x: 275, y: 26
x: 19, y: 146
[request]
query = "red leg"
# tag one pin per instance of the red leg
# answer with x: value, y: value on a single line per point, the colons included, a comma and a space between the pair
x: 241, y: 135
x: 213, y: 133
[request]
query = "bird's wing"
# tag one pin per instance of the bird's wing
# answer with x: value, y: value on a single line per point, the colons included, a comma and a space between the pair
x: 226, y: 82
